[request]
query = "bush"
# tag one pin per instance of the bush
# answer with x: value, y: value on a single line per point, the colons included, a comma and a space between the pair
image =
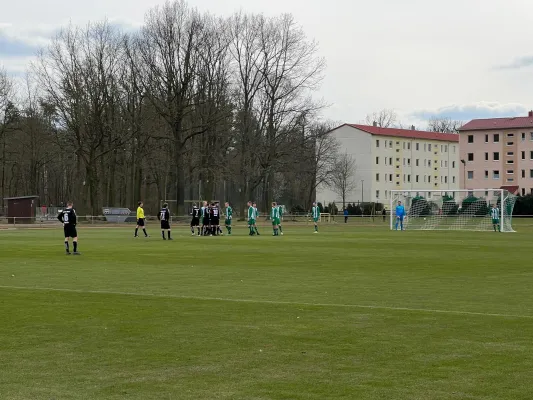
x: 524, y: 205
x: 421, y: 205
x: 474, y: 206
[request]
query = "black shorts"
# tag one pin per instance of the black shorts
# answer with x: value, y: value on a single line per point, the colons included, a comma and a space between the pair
x: 206, y: 221
x: 215, y: 221
x: 195, y: 222
x: 70, y: 231
x: 165, y: 225
x: 140, y: 222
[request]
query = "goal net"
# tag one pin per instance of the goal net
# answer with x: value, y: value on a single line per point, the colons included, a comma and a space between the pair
x: 465, y: 210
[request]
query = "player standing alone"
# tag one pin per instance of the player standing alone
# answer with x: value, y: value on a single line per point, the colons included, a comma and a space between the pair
x: 274, y: 216
x: 164, y: 217
x: 495, y: 215
x: 195, y: 222
x: 140, y: 220
x: 68, y: 218
x: 229, y: 217
x: 280, y: 210
x: 315, y: 212
x: 400, y: 214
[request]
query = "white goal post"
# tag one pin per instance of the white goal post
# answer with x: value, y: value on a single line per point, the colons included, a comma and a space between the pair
x: 466, y: 210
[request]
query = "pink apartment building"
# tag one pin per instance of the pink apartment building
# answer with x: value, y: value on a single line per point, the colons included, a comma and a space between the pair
x: 497, y: 153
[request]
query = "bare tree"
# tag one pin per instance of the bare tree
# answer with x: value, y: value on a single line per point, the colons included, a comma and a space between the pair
x: 8, y: 115
x: 343, y: 180
x: 385, y: 118
x: 444, y: 125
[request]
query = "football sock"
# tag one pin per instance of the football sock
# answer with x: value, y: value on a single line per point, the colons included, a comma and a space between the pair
x: 256, y: 231
x: 229, y: 230
x: 136, y: 231
x: 163, y: 234
x: 316, y: 228
x: 145, y: 234
x: 75, y: 244
x: 279, y: 227
x: 192, y: 229
x: 168, y: 233
x: 66, y: 246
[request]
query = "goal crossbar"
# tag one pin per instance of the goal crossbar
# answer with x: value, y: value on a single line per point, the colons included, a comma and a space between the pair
x: 469, y: 210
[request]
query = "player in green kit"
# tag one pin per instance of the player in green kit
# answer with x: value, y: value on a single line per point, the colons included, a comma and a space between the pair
x: 315, y: 212
x: 252, y: 215
x: 280, y: 209
x: 274, y: 216
x: 229, y: 217
x: 495, y: 216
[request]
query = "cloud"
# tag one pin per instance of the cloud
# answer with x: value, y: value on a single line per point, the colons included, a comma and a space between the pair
x: 520, y: 62
x: 466, y: 112
x: 15, y: 47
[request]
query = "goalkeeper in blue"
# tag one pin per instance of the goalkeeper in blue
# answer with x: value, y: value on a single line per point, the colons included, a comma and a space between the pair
x: 400, y: 214
x: 495, y: 216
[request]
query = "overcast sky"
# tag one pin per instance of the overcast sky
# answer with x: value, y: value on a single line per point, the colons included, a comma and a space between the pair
x: 456, y: 58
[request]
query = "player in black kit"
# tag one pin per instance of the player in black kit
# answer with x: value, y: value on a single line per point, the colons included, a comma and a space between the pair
x: 215, y: 219
x: 195, y: 222
x: 68, y: 218
x: 164, y: 217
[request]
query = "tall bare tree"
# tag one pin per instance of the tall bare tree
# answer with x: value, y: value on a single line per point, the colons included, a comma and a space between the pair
x: 385, y: 118
x: 343, y: 180
x: 8, y: 115
x: 444, y: 125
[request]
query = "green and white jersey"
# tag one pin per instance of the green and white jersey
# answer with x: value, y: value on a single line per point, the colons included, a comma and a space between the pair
x: 256, y: 213
x: 495, y: 213
x: 280, y: 210
x: 316, y: 212
x: 251, y: 213
x: 274, y: 213
x: 229, y: 212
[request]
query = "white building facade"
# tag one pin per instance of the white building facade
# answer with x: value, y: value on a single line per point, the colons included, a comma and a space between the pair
x: 395, y: 159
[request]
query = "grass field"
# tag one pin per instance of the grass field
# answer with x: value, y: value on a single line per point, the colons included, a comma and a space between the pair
x: 350, y: 313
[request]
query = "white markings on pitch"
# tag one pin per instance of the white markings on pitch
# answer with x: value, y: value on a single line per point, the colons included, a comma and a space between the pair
x: 273, y: 302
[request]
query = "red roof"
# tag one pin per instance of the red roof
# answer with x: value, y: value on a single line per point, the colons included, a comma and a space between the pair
x: 511, y: 189
x: 498, y: 124
x: 406, y: 133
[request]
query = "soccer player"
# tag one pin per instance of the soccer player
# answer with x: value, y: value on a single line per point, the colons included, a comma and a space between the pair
x: 251, y: 219
x: 205, y: 218
x: 280, y: 209
x: 68, y: 218
x: 195, y: 222
x: 315, y: 212
x: 164, y: 217
x: 495, y: 215
x: 274, y: 216
x: 215, y: 219
x: 140, y: 220
x: 229, y: 217
x: 400, y: 214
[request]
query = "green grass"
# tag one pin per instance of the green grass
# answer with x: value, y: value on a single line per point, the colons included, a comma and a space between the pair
x: 351, y: 313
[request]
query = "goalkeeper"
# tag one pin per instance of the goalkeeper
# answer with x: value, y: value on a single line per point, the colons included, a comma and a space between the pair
x: 400, y: 214
x: 495, y: 216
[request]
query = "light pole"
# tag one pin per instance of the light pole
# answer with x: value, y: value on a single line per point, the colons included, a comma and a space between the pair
x: 464, y: 173
x: 362, y: 196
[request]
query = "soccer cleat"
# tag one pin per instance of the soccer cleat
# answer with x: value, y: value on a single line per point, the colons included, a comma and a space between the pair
x: 135, y: 236
x: 68, y: 253
x: 77, y: 253
x: 164, y: 238
x: 315, y: 232
x: 281, y: 233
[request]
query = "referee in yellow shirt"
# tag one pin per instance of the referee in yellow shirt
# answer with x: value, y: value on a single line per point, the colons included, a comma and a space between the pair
x: 140, y: 220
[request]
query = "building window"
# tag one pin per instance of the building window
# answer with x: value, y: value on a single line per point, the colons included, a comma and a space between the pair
x: 523, y: 136
x: 453, y: 164
x: 510, y: 171
x: 510, y: 161
x: 495, y: 174
x: 377, y: 177
x: 397, y: 176
x: 377, y: 142
x: 377, y: 194
x: 386, y: 194
x: 486, y: 156
x: 429, y: 147
x: 496, y: 156
x: 429, y: 163
x: 523, y: 155
x: 409, y: 146
x: 390, y: 177
x: 390, y: 160
x: 397, y: 143
x: 446, y: 148
x: 429, y: 179
x: 486, y: 174
x: 453, y: 179
x: 510, y: 143
x: 470, y: 138
x: 523, y: 191
x: 531, y: 155
x: 445, y: 164
x: 510, y: 179
x: 377, y: 160
x: 523, y: 173
x: 398, y: 183
x: 408, y: 162
x: 397, y: 159
x: 531, y: 136
x: 486, y: 138
x: 510, y: 135
x: 445, y: 179
x: 386, y: 161
x: 417, y: 162
x: 416, y: 179
x: 531, y: 173
x: 404, y: 145
x: 454, y: 149
x: 425, y: 147
x: 496, y: 138
x: 470, y: 156
x: 510, y: 153
x: 390, y: 144
x: 417, y: 146
x: 470, y: 174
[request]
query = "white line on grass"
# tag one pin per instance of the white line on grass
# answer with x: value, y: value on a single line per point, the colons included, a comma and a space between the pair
x: 274, y: 302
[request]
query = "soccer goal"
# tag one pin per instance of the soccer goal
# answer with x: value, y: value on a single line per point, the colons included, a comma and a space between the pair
x: 464, y: 210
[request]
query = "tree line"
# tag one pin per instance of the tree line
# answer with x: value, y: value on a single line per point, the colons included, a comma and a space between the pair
x: 191, y: 106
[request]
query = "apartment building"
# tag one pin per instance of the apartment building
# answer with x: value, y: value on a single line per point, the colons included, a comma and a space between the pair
x: 395, y: 159
x: 497, y: 152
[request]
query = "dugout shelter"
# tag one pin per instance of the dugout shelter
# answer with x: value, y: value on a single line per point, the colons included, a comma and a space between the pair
x: 21, y: 210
